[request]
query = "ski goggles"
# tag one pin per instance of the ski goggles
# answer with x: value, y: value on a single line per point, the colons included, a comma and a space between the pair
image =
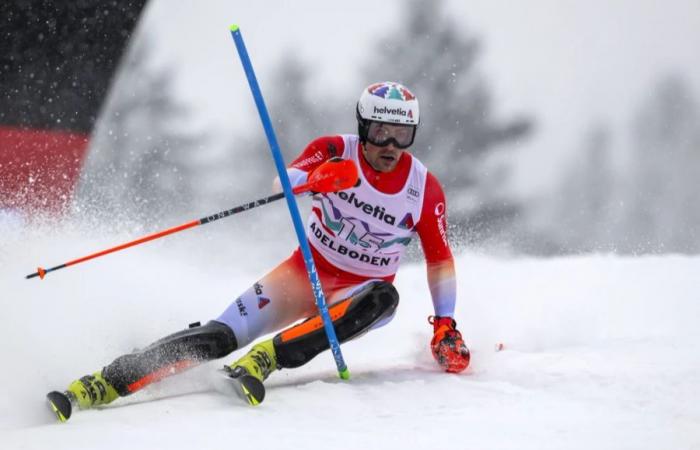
x: 382, y: 134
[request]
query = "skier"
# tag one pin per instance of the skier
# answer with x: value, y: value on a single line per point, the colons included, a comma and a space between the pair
x: 357, y: 238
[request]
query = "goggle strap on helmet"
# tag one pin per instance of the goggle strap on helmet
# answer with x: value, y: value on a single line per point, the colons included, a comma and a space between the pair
x: 362, y: 125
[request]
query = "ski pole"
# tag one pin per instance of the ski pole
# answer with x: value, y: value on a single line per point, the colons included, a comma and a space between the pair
x: 329, y: 177
x: 343, y: 371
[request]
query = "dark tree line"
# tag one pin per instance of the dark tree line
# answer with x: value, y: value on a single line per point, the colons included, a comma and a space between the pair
x: 144, y: 165
x: 143, y: 162
x: 458, y: 130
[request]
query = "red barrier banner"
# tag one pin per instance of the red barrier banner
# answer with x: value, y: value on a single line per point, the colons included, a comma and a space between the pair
x: 39, y: 169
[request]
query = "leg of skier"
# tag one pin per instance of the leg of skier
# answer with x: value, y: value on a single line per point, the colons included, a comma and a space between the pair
x: 279, y: 299
x: 354, y: 311
x: 282, y: 297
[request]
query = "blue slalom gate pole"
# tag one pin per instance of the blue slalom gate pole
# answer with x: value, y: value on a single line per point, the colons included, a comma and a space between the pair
x: 291, y: 203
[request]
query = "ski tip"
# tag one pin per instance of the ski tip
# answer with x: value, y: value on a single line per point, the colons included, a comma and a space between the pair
x: 252, y: 389
x: 344, y: 374
x: 247, y: 387
x: 60, y: 405
x: 234, y: 28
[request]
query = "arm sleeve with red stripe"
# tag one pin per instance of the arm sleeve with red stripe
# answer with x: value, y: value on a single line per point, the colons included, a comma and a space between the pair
x: 432, y: 230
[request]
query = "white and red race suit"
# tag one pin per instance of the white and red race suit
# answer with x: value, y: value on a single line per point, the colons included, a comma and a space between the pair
x: 356, y: 236
x: 365, y: 230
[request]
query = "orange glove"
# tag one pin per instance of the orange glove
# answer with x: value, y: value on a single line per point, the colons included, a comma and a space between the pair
x: 335, y: 174
x: 447, y: 345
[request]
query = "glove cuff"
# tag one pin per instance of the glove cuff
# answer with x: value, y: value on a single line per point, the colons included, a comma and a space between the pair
x: 443, y: 323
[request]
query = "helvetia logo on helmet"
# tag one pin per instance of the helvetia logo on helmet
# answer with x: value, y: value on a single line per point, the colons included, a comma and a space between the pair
x: 393, y: 111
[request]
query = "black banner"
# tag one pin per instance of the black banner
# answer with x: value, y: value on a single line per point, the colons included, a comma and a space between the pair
x: 57, y: 59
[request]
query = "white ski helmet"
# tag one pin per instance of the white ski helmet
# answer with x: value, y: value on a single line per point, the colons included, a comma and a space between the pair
x: 386, y: 102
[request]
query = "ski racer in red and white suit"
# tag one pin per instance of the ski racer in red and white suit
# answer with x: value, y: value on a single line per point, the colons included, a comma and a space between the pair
x: 357, y: 237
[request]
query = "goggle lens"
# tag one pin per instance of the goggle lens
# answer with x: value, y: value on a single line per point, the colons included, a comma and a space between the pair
x: 382, y: 134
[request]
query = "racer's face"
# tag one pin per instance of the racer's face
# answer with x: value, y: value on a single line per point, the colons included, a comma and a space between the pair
x: 382, y: 159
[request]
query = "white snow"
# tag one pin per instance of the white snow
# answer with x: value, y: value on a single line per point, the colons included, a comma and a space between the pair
x: 600, y: 352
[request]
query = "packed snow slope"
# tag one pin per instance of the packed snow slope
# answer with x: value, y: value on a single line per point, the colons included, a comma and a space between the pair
x: 600, y: 352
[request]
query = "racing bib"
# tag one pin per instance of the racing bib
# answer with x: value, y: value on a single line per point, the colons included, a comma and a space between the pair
x: 365, y: 231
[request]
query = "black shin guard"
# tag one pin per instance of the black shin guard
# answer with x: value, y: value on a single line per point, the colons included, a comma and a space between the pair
x: 169, y: 355
x: 351, y: 318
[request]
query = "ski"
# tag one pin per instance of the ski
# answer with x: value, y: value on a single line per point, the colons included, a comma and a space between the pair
x: 245, y: 386
x: 60, y: 404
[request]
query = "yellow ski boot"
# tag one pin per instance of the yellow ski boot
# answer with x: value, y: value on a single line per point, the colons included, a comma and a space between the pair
x: 87, y: 392
x: 251, y: 370
x: 91, y: 390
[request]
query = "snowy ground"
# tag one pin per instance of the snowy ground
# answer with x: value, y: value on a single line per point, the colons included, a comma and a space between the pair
x: 600, y: 352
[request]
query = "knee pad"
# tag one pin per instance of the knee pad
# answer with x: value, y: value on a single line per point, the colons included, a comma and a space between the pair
x: 351, y: 318
x: 171, y: 354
